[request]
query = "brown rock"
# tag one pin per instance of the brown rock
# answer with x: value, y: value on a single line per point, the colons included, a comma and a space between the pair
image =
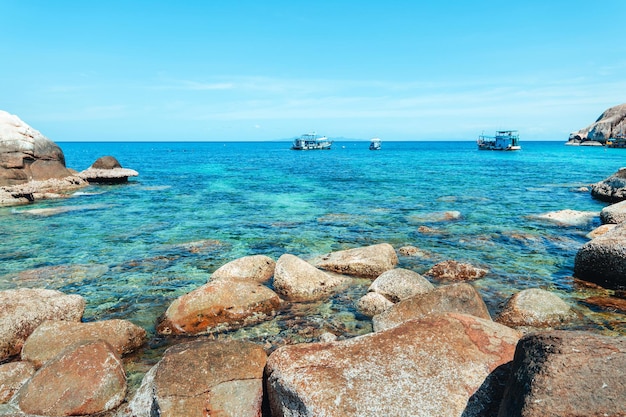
x: 425, y: 367
x: 298, y: 280
x: 86, y: 378
x: 456, y: 271
x: 257, y: 268
x: 218, y: 306
x: 458, y: 298
x: 22, y: 310
x: 53, y: 336
x: 367, y: 262
x: 210, y: 379
x: 567, y: 374
x: 12, y: 376
x: 602, y: 260
x: 535, y: 308
x: 372, y: 304
x: 106, y: 162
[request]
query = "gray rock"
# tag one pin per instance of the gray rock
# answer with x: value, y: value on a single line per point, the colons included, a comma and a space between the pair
x: 257, y: 268
x: 568, y: 217
x: 535, y: 308
x: 372, y: 304
x: 366, y: 262
x: 614, y: 214
x: 602, y: 260
x: 610, y: 123
x: 297, y: 279
x: 568, y: 374
x: 399, y: 284
x: 612, y: 189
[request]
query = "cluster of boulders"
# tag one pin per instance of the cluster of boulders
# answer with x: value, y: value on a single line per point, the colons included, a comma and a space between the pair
x: 611, y: 123
x: 435, y: 349
x: 32, y: 167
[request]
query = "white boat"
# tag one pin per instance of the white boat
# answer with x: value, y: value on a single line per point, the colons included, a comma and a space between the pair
x: 375, y: 144
x: 504, y: 140
x: 310, y: 141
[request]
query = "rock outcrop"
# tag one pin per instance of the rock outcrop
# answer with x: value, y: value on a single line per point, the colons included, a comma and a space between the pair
x: 27, y: 155
x: 602, y: 260
x: 107, y: 170
x: 612, y: 189
x: 610, y: 123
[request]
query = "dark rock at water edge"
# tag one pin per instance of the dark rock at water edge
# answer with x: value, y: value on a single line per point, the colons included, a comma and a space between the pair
x: 602, y: 260
x: 612, y: 189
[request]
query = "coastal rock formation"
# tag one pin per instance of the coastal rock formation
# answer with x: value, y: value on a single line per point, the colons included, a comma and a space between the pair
x: 365, y: 262
x: 456, y: 298
x: 107, y: 170
x: 602, y: 260
x: 257, y: 268
x: 456, y: 271
x: 22, y: 310
x: 208, y: 378
x: 86, y: 378
x: 614, y: 214
x: 424, y: 367
x: 535, y: 308
x: 219, y: 306
x: 566, y: 373
x: 612, y: 189
x: 298, y: 280
x: 600, y: 230
x: 52, y: 336
x: 610, y: 124
x: 13, y: 376
x: 26, y: 154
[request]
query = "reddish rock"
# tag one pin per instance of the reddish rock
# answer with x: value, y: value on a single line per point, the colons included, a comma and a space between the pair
x: 12, y: 376
x: 86, y: 378
x: 22, y: 310
x: 219, y: 306
x: 51, y: 337
x: 426, y: 367
x: 567, y: 374
x: 257, y: 268
x: 456, y: 271
x: 458, y: 298
x: 366, y: 262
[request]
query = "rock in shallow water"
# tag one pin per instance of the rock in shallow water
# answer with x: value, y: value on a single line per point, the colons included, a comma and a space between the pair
x: 602, y: 261
x: 366, y: 262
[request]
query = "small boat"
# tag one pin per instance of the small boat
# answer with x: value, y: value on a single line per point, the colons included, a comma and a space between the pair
x: 504, y: 140
x: 618, y: 141
x: 375, y: 144
x: 310, y: 141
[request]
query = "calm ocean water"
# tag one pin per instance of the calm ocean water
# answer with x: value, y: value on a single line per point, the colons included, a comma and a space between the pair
x: 131, y: 249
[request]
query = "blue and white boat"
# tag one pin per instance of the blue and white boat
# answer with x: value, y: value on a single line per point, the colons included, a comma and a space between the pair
x: 310, y: 141
x: 375, y: 144
x: 504, y: 140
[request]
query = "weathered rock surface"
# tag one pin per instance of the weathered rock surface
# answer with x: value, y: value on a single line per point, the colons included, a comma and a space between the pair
x: 366, y: 262
x: 218, y: 306
x: 567, y: 374
x: 568, y: 217
x: 12, y: 376
x: 107, y: 170
x: 257, y: 268
x: 602, y: 260
x: 53, y: 336
x: 612, y: 189
x: 535, y: 308
x: 614, y: 214
x: 86, y: 378
x: 372, y: 304
x: 297, y: 279
x: 600, y: 230
x: 610, y: 123
x: 457, y: 298
x: 399, y: 284
x: 26, y: 154
x: 203, y: 378
x: 22, y: 310
x: 425, y: 367
x: 456, y: 271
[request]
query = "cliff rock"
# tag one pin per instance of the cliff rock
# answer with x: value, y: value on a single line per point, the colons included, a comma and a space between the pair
x: 610, y: 123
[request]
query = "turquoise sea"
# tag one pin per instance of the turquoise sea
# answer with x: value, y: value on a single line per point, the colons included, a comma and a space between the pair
x: 131, y: 249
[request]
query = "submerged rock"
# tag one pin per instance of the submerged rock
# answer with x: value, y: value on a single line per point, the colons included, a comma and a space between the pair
x: 568, y: 217
x: 366, y: 262
x: 535, y: 308
x: 612, y: 189
x: 456, y: 271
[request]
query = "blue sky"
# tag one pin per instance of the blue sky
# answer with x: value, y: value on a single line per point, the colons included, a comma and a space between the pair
x: 271, y: 70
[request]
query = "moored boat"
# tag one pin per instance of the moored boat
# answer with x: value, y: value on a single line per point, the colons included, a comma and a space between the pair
x: 618, y: 141
x: 504, y: 140
x: 375, y: 144
x: 310, y: 141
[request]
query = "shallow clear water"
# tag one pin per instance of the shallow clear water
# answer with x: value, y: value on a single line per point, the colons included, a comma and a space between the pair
x: 131, y: 249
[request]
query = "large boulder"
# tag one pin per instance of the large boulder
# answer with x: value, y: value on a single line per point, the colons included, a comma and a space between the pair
x: 258, y: 268
x: 614, y: 214
x: 457, y: 298
x: 602, y: 260
x: 612, y: 189
x: 535, y: 307
x: 298, y: 280
x: 366, y: 262
x: 52, y: 336
x: 22, y: 310
x: 567, y: 374
x: 610, y: 123
x: 26, y: 154
x: 86, y: 378
x: 426, y: 367
x: 203, y: 378
x: 107, y: 170
x: 219, y: 306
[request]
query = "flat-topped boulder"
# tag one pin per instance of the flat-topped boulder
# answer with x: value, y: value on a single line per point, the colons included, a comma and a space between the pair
x: 611, y: 189
x: 602, y: 260
x: 26, y: 154
x: 365, y: 262
x: 107, y: 170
